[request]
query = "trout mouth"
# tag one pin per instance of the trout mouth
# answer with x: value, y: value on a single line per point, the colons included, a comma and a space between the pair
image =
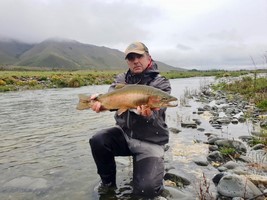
x: 172, y: 102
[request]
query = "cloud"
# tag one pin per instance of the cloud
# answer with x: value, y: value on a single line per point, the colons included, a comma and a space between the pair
x: 97, y: 22
x: 182, y: 33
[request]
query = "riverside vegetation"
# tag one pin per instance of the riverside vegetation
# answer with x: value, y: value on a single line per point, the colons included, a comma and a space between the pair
x: 253, y: 88
x: 26, y: 78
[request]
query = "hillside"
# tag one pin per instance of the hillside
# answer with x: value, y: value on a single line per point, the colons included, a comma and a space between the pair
x: 65, y: 54
x: 10, y: 50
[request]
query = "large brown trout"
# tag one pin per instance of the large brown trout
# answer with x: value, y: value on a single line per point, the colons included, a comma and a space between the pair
x: 126, y: 97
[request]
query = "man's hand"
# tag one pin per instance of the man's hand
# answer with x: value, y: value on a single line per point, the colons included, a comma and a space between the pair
x: 145, y: 111
x: 96, y: 105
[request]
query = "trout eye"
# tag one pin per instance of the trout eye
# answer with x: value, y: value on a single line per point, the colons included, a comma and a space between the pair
x: 164, y: 99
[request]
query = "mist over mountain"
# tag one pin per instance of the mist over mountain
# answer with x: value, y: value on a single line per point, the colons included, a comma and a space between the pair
x: 59, y: 53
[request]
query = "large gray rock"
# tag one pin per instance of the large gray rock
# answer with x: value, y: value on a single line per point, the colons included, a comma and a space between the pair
x: 175, y: 176
x: 237, y: 145
x: 215, y: 156
x: 237, y: 186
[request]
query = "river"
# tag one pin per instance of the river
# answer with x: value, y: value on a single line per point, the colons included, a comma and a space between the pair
x: 44, y: 151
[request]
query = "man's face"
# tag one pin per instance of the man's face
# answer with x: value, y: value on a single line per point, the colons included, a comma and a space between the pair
x: 138, y: 62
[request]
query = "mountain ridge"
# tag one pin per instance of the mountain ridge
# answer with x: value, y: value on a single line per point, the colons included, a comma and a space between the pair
x: 59, y: 53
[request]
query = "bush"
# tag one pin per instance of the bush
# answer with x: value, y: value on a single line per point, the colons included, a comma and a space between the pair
x: 227, y: 151
x: 32, y: 82
x: 2, y: 82
x: 262, y: 105
x: 76, y: 82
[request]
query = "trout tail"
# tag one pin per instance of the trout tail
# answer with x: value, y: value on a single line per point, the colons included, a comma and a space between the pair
x: 84, y: 102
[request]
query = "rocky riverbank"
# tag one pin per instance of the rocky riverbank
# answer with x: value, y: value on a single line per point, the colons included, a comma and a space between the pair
x: 223, y: 162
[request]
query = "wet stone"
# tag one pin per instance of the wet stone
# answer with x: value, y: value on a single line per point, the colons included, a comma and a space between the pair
x: 189, y: 125
x: 213, y: 147
x: 237, y: 145
x: 174, y: 130
x: 175, y: 176
x: 201, y: 161
x: 197, y: 121
x: 215, y: 156
x: 234, y: 121
x: 258, y: 146
x: 231, y: 165
x: 237, y: 186
x: 201, y: 129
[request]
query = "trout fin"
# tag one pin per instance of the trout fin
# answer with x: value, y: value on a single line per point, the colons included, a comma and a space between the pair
x: 120, y: 85
x: 84, y: 102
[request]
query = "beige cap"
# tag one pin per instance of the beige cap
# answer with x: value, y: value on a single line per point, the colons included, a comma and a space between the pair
x: 136, y: 47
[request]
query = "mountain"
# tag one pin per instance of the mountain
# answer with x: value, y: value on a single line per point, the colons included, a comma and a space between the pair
x: 65, y: 54
x: 10, y: 50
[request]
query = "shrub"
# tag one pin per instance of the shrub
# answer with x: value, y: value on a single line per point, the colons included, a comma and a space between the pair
x: 262, y: 105
x: 2, y: 82
x: 76, y: 82
x: 227, y: 151
x: 32, y: 82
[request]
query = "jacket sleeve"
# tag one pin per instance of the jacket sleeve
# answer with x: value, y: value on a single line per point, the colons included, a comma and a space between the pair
x: 162, y: 83
x: 120, y: 78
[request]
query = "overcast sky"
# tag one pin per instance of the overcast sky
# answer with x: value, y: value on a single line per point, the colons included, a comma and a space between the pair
x: 200, y: 34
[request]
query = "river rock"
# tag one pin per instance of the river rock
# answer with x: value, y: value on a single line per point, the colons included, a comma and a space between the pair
x: 208, y: 134
x: 222, y: 169
x: 263, y: 123
x: 201, y: 161
x: 232, y: 185
x: 213, y: 139
x: 197, y: 121
x: 216, y: 125
x: 245, y: 138
x: 201, y: 129
x: 174, y: 130
x: 231, y: 165
x: 176, y: 193
x: 223, y: 120
x: 241, y: 119
x: 215, y: 156
x: 213, y: 147
x: 245, y: 159
x: 175, y: 177
x: 237, y: 145
x: 234, y: 121
x: 189, y: 124
x: 258, y: 146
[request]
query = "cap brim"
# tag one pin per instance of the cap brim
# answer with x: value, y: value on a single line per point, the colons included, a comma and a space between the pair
x: 134, y: 51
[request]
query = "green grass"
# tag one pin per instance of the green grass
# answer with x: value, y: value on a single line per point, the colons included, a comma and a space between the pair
x: 26, y: 78
x: 19, y: 80
x: 252, y: 89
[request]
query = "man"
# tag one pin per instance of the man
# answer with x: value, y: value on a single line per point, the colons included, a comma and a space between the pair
x: 141, y: 133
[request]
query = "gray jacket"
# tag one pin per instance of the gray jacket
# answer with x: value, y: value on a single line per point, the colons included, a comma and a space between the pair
x: 151, y: 129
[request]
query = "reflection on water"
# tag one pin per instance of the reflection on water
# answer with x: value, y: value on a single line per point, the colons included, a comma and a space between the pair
x: 44, y: 136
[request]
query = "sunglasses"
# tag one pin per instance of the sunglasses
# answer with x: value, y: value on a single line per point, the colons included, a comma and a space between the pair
x: 133, y: 56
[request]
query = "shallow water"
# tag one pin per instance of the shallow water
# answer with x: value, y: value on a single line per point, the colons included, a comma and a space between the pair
x: 44, y: 140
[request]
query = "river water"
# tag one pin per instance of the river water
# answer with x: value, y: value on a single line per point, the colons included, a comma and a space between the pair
x: 44, y: 151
